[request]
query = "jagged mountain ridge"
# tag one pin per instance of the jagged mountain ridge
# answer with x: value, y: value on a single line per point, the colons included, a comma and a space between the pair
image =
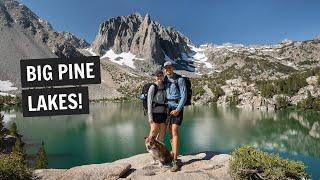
x: 143, y: 37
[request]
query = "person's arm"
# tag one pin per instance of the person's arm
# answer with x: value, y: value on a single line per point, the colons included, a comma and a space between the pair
x: 149, y: 102
x: 183, y: 93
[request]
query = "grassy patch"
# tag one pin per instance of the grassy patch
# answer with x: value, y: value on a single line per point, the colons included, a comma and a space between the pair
x: 310, y: 103
x: 307, y: 62
x: 217, y: 92
x: 282, y: 102
x: 234, y: 99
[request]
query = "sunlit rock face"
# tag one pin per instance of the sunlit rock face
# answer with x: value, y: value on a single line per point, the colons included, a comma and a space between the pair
x: 144, y: 38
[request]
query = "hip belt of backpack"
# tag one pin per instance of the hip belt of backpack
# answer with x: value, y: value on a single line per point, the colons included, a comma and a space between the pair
x: 174, y: 100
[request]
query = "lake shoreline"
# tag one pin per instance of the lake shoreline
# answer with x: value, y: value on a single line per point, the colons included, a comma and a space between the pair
x: 13, y: 102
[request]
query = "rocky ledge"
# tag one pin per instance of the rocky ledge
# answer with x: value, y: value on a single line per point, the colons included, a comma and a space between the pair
x: 205, y: 165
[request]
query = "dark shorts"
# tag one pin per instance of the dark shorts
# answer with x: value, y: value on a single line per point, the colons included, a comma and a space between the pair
x: 175, y: 119
x: 159, y: 117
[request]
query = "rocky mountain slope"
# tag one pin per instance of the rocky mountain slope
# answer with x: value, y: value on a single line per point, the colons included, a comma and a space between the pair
x: 62, y: 44
x: 23, y: 35
x: 266, y: 61
x: 267, y: 77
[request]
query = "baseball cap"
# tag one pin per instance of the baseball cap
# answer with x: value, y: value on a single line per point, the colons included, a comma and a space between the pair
x: 168, y: 63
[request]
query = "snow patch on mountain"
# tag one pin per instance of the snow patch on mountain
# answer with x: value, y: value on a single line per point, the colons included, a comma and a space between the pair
x: 124, y: 58
x: 199, y: 56
x: 6, y: 94
x: 200, y: 60
x: 185, y: 62
x: 89, y: 50
x: 6, y: 86
x: 196, y: 61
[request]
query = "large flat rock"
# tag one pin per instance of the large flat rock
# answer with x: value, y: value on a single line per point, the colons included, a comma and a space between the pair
x: 205, y: 165
x: 85, y: 172
x: 197, y: 166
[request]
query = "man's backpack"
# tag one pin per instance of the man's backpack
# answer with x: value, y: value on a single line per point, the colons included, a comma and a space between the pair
x: 188, y: 87
x: 144, y: 96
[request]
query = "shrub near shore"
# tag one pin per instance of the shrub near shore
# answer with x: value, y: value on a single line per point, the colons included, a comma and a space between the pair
x: 249, y: 163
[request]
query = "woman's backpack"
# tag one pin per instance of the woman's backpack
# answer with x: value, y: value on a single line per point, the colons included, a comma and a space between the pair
x: 144, y: 96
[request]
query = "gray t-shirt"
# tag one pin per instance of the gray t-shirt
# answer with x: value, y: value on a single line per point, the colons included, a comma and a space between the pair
x: 159, y: 97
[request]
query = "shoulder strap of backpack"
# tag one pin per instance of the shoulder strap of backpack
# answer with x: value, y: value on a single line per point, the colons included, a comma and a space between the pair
x: 155, y: 88
x: 176, y: 78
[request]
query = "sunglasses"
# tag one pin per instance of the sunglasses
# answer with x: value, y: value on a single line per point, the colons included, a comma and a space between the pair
x: 159, y: 75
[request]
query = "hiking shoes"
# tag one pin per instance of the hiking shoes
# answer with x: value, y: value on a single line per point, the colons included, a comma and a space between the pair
x: 175, y: 166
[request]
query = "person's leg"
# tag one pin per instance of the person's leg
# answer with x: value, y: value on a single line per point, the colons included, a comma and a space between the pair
x: 162, y: 131
x: 175, y: 140
x: 169, y: 126
x: 153, y: 129
x: 175, y: 147
x: 170, y: 133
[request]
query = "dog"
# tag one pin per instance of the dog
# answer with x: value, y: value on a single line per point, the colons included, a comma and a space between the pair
x: 158, y: 151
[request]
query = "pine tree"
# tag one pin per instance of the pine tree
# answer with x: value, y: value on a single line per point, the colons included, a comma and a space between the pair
x: 309, y: 101
x: 41, y: 160
x: 13, y: 130
x: 1, y: 126
x: 18, y: 150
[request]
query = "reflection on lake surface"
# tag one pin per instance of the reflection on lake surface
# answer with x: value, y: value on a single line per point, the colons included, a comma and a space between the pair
x: 116, y: 130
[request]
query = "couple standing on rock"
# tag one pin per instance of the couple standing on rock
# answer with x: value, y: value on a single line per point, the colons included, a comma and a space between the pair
x: 166, y: 99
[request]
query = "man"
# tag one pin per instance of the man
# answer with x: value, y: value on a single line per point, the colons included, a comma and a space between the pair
x: 176, y: 95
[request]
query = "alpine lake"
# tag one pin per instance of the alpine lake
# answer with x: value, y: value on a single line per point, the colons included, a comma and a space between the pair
x: 116, y: 130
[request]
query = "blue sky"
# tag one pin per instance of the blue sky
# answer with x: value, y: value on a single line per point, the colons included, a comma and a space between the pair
x: 215, y: 21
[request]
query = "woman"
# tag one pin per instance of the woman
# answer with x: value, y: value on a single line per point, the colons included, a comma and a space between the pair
x: 157, y: 109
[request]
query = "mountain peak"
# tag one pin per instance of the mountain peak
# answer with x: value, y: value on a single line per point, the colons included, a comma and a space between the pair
x: 147, y: 18
x: 141, y: 36
x: 136, y: 15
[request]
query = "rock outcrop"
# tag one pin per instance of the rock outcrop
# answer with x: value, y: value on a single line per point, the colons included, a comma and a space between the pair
x: 85, y: 172
x: 142, y: 37
x: 6, y: 143
x: 249, y: 96
x: 199, y: 166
